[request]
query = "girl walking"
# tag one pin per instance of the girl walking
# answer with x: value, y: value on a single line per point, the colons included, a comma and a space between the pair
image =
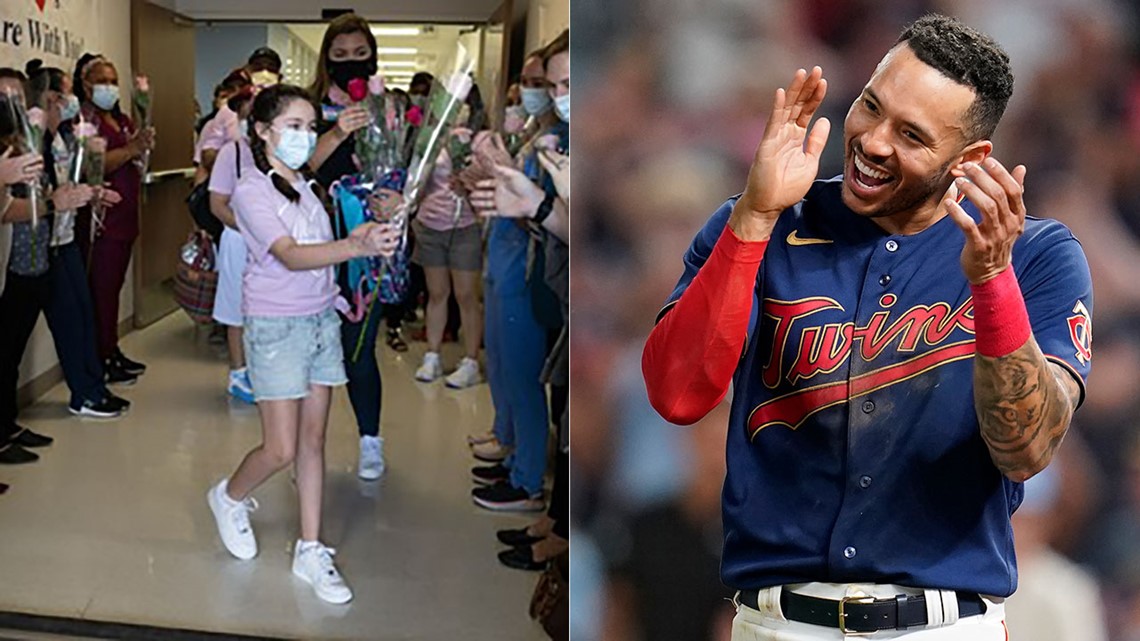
x: 292, y: 332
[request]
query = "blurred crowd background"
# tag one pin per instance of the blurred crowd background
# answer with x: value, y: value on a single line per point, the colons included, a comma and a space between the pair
x: 672, y: 96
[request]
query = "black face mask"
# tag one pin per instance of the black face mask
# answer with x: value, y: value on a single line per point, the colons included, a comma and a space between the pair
x: 342, y: 71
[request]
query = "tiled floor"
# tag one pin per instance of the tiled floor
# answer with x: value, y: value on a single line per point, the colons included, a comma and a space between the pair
x: 113, y: 525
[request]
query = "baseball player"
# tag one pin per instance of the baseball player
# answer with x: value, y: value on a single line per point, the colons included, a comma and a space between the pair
x: 906, y: 347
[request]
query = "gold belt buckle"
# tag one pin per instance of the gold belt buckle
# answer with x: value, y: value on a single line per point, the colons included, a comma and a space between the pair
x: 843, y: 615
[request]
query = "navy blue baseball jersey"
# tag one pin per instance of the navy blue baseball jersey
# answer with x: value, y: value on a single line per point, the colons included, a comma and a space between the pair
x: 854, y: 451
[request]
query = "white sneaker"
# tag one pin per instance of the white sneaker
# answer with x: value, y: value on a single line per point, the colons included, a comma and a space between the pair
x: 466, y: 375
x: 313, y: 562
x: 371, y: 465
x: 431, y: 369
x: 232, y: 518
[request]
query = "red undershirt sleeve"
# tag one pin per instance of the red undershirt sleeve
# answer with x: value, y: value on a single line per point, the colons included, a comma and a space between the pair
x: 692, y: 353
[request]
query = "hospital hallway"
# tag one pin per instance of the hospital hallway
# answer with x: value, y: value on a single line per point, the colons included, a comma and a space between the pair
x: 112, y: 525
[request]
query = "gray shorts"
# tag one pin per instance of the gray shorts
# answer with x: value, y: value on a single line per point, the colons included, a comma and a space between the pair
x: 287, y: 354
x: 459, y: 249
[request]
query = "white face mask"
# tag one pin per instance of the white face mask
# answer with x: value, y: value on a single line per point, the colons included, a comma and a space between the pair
x: 105, y: 97
x: 243, y: 129
x: 536, y: 101
x: 562, y: 104
x: 70, y: 108
x: 295, y: 147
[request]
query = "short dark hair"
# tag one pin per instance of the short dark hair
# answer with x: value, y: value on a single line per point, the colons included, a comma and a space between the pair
x: 967, y: 57
x: 266, y: 59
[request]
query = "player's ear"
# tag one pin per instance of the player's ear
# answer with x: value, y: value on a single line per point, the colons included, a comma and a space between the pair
x: 974, y: 152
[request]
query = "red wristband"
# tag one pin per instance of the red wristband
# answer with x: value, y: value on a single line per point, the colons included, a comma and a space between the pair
x: 1001, y: 322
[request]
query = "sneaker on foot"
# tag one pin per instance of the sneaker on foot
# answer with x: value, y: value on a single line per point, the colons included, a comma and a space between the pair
x: 128, y: 366
x: 396, y: 342
x: 28, y: 438
x: 103, y: 408
x: 491, y: 451
x: 431, y: 368
x: 490, y: 474
x: 239, y: 386
x: 116, y: 375
x: 371, y: 465
x: 232, y: 518
x: 482, y: 437
x: 504, y: 497
x: 466, y: 375
x: 14, y: 454
x: 313, y: 562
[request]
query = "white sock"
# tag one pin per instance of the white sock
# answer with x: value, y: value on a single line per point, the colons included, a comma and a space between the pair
x: 304, y: 546
x: 226, y: 494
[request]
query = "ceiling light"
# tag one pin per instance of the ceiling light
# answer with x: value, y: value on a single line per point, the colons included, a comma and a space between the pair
x: 395, y: 31
x: 398, y: 51
x: 396, y: 63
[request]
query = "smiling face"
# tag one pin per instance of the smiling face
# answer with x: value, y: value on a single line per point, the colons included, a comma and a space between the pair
x: 904, y: 138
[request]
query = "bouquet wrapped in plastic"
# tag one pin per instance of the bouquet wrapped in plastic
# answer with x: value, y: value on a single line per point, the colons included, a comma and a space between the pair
x: 390, y: 183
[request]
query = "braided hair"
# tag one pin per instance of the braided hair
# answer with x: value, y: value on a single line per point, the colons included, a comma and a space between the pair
x: 268, y: 105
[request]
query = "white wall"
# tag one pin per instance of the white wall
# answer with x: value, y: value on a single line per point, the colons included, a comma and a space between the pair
x: 104, y: 26
x: 544, y: 21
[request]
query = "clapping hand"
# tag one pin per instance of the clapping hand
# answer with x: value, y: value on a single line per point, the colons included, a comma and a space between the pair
x: 509, y: 195
x: 998, y: 195
x: 558, y: 166
x: 787, y: 160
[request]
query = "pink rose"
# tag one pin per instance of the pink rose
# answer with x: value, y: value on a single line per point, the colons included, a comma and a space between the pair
x: 515, y: 120
x: 357, y: 89
x: 142, y: 83
x: 36, y: 117
x: 376, y: 85
x: 86, y: 130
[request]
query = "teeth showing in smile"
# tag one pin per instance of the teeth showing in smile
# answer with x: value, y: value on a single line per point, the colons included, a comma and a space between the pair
x: 870, y: 173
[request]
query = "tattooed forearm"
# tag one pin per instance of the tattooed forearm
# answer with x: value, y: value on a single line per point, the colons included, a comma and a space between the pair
x: 1024, y: 404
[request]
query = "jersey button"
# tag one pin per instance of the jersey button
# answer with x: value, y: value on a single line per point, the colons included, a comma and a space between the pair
x: 868, y: 407
x: 892, y: 246
x: 849, y: 552
x: 885, y: 280
x: 865, y: 482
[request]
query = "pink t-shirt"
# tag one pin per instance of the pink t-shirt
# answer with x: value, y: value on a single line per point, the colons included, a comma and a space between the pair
x: 265, y: 216
x: 437, y: 209
x: 224, y: 177
x: 221, y: 129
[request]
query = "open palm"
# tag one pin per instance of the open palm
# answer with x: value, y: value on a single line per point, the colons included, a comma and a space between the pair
x: 784, y: 166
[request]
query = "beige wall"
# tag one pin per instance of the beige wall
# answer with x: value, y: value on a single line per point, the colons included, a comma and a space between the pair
x: 109, y: 33
x: 545, y: 20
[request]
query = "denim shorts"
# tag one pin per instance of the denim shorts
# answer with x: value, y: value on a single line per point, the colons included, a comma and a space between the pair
x: 287, y: 354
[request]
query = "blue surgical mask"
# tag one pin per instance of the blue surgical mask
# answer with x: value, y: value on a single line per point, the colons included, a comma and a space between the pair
x: 295, y: 147
x: 105, y: 97
x: 562, y: 104
x: 535, y: 101
x: 70, y: 108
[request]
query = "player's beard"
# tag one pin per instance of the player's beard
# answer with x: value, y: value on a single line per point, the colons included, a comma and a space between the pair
x: 909, y: 198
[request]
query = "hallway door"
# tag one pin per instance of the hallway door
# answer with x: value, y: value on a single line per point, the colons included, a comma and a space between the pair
x: 162, y: 47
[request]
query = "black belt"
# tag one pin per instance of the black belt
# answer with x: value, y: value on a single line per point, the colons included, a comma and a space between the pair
x: 862, y: 614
